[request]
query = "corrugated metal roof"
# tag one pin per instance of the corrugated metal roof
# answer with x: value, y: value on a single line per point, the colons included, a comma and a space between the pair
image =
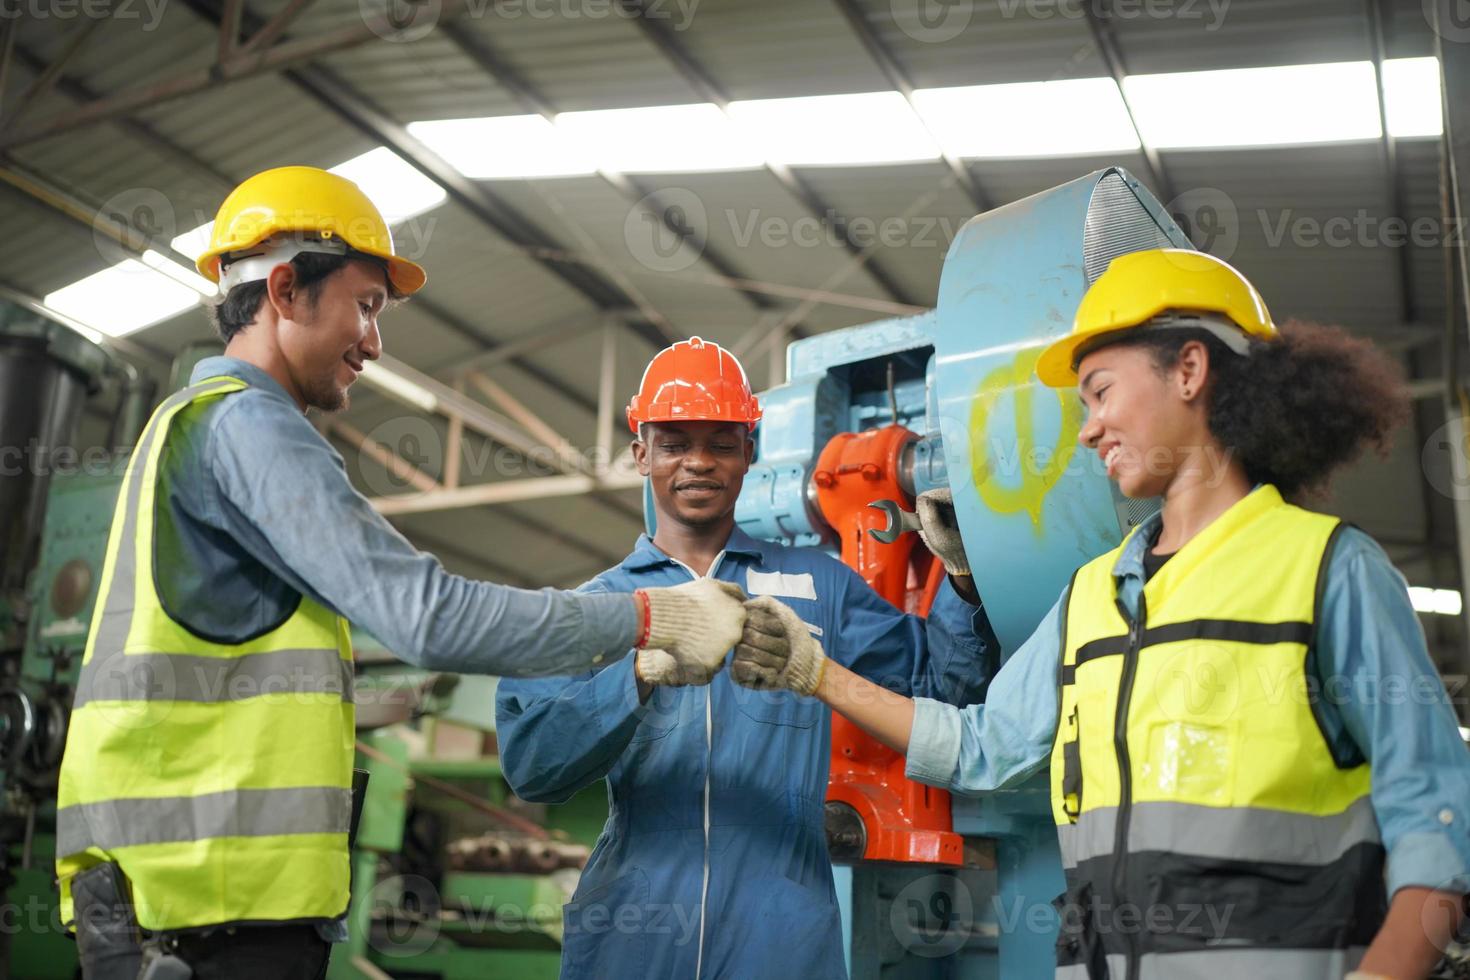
x: 752, y: 49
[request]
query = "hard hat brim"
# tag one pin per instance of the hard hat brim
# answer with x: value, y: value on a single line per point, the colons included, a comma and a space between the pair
x: 1056, y: 366
x: 407, y: 277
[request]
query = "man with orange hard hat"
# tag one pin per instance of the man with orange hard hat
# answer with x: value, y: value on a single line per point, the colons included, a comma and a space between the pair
x: 205, y: 795
x: 716, y: 788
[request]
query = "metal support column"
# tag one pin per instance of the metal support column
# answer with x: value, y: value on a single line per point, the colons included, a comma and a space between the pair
x: 1454, y: 62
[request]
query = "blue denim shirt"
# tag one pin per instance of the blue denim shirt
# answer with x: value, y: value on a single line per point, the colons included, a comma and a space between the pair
x: 255, y: 509
x: 716, y: 793
x: 1381, y: 694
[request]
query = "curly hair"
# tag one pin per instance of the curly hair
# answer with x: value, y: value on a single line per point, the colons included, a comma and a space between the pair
x: 1296, y: 410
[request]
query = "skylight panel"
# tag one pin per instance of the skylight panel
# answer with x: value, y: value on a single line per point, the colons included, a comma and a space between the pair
x: 1029, y: 119
x: 500, y: 147
x: 1296, y: 104
x: 833, y: 130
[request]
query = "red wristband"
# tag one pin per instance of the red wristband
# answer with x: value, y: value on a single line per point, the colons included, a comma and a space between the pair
x: 641, y: 597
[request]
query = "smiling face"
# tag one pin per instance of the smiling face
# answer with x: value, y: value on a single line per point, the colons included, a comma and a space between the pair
x: 696, y: 469
x: 331, y: 334
x: 1143, y: 423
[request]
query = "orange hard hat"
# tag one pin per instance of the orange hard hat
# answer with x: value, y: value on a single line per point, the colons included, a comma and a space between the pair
x: 693, y: 381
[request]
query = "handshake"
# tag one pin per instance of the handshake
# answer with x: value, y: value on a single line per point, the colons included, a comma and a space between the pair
x: 689, y: 629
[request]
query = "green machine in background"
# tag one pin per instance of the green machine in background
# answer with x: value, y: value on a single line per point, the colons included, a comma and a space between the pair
x: 34, y: 705
x: 452, y: 876
x: 55, y: 510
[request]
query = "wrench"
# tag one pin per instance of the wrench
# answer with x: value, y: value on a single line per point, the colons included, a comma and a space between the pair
x: 899, y: 521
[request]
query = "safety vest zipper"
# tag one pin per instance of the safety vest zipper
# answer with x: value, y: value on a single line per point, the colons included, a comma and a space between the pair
x: 1125, y: 774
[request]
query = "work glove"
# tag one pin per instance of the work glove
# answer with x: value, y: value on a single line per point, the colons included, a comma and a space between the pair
x: 689, y: 629
x: 776, y: 650
x: 941, y: 531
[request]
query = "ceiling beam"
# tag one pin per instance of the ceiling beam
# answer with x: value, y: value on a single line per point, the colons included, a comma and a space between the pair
x: 898, y: 78
x: 1100, y: 22
x: 663, y: 37
x: 1389, y: 155
x: 224, y: 183
x: 78, y: 92
x: 239, y: 65
x: 43, y: 83
x: 478, y: 50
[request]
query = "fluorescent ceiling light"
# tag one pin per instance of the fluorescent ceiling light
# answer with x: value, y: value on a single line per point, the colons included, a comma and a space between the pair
x: 1028, y: 119
x: 1465, y: 733
x: 871, y: 127
x: 1256, y: 106
x: 179, y: 273
x: 398, y: 387
x: 1446, y: 602
x: 660, y: 139
x: 122, y: 298
x: 194, y: 241
x: 399, y: 191
x: 1411, y: 97
x: 497, y: 147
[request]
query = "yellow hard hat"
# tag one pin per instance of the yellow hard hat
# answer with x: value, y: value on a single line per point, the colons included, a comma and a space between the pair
x: 318, y: 206
x: 1139, y: 287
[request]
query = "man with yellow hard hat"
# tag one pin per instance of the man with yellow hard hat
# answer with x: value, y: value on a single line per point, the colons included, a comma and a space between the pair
x: 205, y: 795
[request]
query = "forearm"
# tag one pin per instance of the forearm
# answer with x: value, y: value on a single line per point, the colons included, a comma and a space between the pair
x: 557, y: 737
x: 1419, y: 925
x: 886, y: 716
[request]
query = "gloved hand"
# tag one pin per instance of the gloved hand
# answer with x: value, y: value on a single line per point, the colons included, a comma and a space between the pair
x: 940, y: 530
x: 777, y: 650
x: 688, y: 630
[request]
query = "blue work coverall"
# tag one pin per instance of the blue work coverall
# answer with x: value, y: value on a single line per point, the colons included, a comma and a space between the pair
x: 713, y: 861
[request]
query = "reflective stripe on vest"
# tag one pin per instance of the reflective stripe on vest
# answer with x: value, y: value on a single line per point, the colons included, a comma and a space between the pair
x: 217, y: 775
x: 1227, y: 964
x: 1190, y: 769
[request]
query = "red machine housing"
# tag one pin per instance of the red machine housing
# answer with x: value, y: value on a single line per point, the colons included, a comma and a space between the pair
x: 903, y: 820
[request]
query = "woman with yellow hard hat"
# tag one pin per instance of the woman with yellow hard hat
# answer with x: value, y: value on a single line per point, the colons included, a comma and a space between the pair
x: 1236, y: 794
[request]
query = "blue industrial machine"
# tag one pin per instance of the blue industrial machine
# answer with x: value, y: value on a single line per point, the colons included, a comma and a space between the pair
x: 949, y: 398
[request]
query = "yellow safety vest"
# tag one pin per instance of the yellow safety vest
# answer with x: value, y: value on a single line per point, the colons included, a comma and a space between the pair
x: 1206, y: 826
x: 218, y: 776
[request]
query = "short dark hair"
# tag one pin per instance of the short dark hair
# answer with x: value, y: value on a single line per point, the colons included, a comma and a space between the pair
x: 239, y: 308
x: 1296, y: 410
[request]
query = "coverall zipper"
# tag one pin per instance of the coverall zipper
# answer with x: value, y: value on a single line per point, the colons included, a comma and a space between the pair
x: 709, y: 761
